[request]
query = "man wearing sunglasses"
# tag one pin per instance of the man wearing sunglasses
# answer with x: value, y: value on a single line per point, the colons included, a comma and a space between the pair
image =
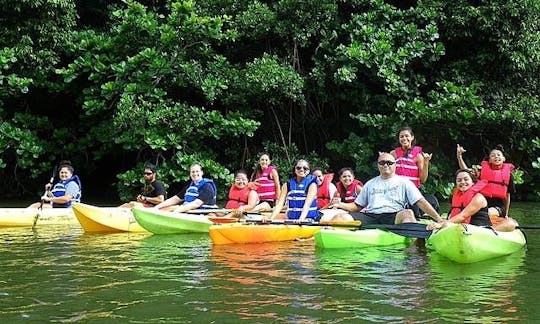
x: 384, y: 199
x: 153, y: 191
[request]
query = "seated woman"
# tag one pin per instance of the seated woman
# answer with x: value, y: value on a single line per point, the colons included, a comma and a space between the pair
x: 242, y: 195
x: 325, y: 188
x: 199, y: 193
x: 300, y: 192
x: 469, y: 206
x: 65, y: 192
x: 347, y: 189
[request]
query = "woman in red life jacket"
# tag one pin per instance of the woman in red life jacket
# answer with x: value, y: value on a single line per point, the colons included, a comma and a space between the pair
x: 470, y: 206
x: 498, y: 175
x: 348, y: 187
x: 242, y: 195
x: 413, y: 163
x: 266, y: 180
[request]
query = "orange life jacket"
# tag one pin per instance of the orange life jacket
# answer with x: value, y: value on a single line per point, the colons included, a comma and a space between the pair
x: 323, y: 191
x: 498, y: 179
x: 461, y: 199
x: 238, y: 197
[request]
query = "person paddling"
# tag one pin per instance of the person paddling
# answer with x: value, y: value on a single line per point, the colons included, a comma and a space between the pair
x: 64, y: 192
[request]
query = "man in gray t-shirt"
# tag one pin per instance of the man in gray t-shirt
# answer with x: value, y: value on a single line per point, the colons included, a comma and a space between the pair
x: 384, y: 199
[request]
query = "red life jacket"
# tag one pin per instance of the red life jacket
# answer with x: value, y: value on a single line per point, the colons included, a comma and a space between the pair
x: 406, y: 166
x: 323, y: 191
x: 498, y: 179
x: 348, y: 194
x: 238, y: 197
x: 461, y: 199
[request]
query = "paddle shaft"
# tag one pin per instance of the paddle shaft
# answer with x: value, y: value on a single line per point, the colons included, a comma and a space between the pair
x: 414, y: 230
x: 46, y: 191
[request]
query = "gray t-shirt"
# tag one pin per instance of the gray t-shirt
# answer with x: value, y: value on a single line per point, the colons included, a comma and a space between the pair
x: 387, y: 196
x: 72, y: 189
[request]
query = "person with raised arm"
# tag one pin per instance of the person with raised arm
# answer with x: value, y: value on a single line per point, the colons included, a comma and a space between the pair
x: 498, y: 174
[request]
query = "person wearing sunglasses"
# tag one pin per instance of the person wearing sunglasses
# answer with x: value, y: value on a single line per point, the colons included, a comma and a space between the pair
x: 413, y: 163
x: 153, y: 191
x: 300, y: 193
x: 385, y: 198
x: 200, y: 192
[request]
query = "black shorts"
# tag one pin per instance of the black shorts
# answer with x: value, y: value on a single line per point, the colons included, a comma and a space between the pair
x: 369, y: 218
x: 272, y: 203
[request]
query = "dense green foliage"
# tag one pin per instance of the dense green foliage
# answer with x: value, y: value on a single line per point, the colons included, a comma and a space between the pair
x: 112, y: 86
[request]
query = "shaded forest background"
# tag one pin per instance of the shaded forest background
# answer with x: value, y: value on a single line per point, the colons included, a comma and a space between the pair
x: 111, y: 85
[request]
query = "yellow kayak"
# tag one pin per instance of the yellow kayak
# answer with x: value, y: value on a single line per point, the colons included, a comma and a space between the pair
x: 259, y: 233
x: 106, y: 219
x: 25, y: 217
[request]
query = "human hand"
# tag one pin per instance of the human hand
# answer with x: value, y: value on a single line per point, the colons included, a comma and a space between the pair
x: 46, y: 198
x: 427, y: 156
x: 460, y: 150
x: 434, y: 226
x: 48, y: 187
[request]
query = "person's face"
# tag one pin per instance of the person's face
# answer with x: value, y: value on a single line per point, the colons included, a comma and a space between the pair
x: 148, y: 175
x: 195, y: 173
x: 319, y: 175
x: 405, y: 139
x: 241, y: 180
x: 264, y: 161
x: 496, y: 157
x: 64, y: 173
x: 464, y: 181
x: 346, y: 178
x: 301, y: 169
x: 387, y: 165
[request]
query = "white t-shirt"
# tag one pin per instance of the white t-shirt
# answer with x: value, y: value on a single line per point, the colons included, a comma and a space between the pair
x: 387, y: 196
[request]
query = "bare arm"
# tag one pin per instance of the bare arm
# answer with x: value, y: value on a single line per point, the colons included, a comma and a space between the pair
x: 174, y: 200
x: 189, y: 206
x: 478, y: 202
x: 422, y: 161
x: 253, y: 200
x: 350, y: 207
x: 275, y: 177
x: 428, y: 209
x: 459, y: 154
x: 153, y: 200
x: 506, y: 205
x: 311, y: 195
x: 280, y: 202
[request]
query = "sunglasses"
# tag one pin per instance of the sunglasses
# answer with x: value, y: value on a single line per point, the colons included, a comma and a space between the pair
x: 240, y: 180
x: 383, y: 162
x: 298, y: 168
x: 148, y: 173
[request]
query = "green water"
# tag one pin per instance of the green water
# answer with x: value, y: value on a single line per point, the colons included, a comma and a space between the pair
x: 64, y: 275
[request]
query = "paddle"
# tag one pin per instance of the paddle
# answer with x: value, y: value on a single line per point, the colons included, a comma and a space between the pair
x: 306, y: 222
x: 528, y: 227
x: 414, y: 230
x: 47, y: 190
x: 209, y: 211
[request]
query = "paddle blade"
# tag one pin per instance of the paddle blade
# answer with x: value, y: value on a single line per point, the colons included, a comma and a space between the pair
x: 414, y: 230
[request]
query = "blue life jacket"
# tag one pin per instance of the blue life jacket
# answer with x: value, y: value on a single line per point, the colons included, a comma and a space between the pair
x: 192, y: 192
x: 59, y: 190
x: 296, y: 197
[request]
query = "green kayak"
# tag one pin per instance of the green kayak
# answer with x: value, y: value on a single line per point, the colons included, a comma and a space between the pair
x: 333, y: 238
x: 466, y: 243
x: 164, y: 222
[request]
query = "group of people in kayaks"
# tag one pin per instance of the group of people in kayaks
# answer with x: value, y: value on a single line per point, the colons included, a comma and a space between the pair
x: 481, y: 197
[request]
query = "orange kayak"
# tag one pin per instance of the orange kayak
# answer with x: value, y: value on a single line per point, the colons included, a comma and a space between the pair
x: 259, y: 233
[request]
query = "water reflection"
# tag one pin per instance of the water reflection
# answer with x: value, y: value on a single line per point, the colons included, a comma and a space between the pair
x: 489, y: 285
